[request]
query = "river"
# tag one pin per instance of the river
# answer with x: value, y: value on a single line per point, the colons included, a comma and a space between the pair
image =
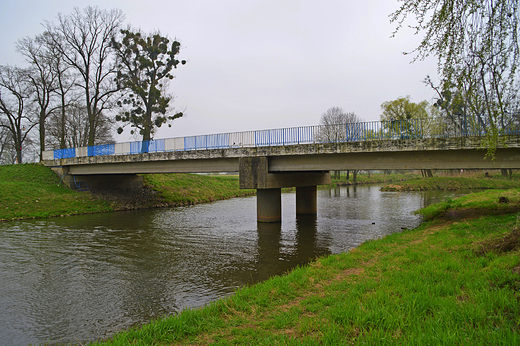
x: 83, y: 278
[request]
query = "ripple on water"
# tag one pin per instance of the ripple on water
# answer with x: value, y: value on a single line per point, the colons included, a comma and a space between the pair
x: 81, y: 278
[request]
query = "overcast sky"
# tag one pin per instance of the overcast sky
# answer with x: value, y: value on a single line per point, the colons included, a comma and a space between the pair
x: 260, y: 64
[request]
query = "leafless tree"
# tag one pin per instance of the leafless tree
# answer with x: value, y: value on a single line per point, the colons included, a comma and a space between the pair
x: 14, y: 94
x: 83, y: 40
x: 65, y: 92
x: 76, y: 128
x: 338, y: 126
x: 41, y: 78
x: 334, y: 125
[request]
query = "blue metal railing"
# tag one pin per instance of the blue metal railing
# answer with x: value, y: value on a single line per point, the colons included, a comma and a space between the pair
x: 443, y: 127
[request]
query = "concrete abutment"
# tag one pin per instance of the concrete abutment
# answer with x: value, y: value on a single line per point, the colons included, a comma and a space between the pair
x: 99, y: 182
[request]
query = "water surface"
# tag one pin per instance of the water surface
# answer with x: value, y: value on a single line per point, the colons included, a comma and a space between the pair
x: 83, y: 278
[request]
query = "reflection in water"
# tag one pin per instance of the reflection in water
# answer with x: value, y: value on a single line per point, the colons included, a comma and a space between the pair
x: 83, y: 278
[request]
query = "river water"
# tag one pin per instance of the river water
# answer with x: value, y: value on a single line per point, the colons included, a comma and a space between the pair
x: 83, y: 278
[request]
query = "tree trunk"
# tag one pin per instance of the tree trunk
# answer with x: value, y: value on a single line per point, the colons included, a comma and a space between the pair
x: 354, y: 173
x: 18, y: 147
x: 508, y: 173
x: 62, y: 127
x: 42, y: 136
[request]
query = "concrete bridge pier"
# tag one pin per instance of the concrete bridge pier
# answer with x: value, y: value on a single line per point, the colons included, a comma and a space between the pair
x: 269, y: 205
x: 254, y: 174
x: 307, y: 200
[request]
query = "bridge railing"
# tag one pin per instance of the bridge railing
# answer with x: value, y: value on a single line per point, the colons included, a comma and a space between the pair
x: 442, y: 127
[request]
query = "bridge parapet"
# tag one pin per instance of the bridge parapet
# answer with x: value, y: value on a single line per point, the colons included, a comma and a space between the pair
x: 419, y: 153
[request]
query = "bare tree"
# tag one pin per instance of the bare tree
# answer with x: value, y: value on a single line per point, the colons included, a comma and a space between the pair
x: 338, y: 126
x: 83, y: 39
x: 76, y: 128
x: 42, y: 78
x: 64, y: 91
x: 14, y: 94
x: 334, y: 123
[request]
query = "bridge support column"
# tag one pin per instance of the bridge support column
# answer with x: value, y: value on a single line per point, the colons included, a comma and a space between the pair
x: 269, y: 205
x: 254, y: 174
x: 307, y: 200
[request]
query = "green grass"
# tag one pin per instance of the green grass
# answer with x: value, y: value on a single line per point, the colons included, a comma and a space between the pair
x: 482, y: 203
x: 182, y: 189
x: 433, y: 285
x: 34, y: 191
x: 453, y: 183
x: 376, y: 178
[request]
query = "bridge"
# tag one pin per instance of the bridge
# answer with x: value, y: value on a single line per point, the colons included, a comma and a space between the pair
x: 301, y: 157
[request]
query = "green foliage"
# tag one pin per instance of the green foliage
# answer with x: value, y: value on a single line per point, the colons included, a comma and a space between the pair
x: 398, y: 115
x: 482, y: 202
x: 372, y: 178
x: 476, y: 43
x: 404, y: 109
x: 145, y: 63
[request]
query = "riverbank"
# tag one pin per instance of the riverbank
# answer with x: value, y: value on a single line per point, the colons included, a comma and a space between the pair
x: 449, y: 281
x: 34, y: 191
x: 454, y: 183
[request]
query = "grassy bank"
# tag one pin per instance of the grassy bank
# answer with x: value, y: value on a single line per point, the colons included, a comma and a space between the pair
x: 377, y: 178
x: 453, y: 183
x: 446, y: 282
x: 34, y: 191
x: 183, y: 189
x: 490, y: 202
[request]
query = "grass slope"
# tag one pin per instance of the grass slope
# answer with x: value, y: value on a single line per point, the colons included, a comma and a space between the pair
x: 34, y: 191
x: 182, y: 189
x: 444, y: 283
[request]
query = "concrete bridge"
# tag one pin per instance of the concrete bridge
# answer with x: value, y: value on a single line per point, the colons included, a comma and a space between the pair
x: 268, y: 168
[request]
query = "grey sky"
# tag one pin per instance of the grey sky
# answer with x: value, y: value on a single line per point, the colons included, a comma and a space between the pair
x: 260, y: 64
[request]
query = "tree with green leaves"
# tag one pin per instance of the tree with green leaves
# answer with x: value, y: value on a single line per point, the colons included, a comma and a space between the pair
x: 145, y: 64
x: 476, y: 44
x: 404, y: 118
x: 404, y: 109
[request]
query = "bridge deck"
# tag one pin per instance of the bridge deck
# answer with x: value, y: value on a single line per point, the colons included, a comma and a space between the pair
x: 418, y: 153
